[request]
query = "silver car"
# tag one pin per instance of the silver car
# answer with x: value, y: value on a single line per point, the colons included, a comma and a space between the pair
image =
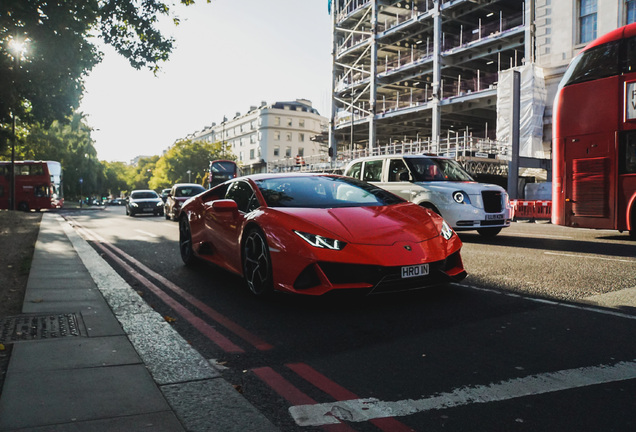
x: 442, y: 185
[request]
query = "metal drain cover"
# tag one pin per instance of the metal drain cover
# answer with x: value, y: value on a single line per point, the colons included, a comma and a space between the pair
x: 37, y: 327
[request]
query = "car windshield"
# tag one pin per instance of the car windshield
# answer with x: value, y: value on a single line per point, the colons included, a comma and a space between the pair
x: 144, y: 195
x: 323, y: 192
x: 189, y: 191
x: 428, y: 169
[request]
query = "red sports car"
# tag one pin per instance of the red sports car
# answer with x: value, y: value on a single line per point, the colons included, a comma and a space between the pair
x: 314, y: 233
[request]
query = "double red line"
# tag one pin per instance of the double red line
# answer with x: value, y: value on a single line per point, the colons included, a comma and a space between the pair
x: 223, y: 342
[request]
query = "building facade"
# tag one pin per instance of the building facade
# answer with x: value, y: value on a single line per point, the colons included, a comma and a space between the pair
x: 282, y: 133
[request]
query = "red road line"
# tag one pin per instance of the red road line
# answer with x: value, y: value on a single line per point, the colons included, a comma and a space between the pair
x: 340, y: 393
x: 235, y: 328
x: 292, y: 394
x: 221, y: 341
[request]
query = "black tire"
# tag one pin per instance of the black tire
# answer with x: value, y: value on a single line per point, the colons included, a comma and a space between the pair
x: 257, y: 263
x: 489, y: 232
x: 185, y: 242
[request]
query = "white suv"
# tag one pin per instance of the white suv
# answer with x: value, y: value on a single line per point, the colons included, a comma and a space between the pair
x: 440, y: 184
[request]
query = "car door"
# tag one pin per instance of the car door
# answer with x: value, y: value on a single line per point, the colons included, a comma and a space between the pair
x: 396, y: 178
x: 227, y: 226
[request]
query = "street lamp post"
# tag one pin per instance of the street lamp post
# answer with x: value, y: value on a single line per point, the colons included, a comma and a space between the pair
x: 189, y: 176
x: 17, y: 48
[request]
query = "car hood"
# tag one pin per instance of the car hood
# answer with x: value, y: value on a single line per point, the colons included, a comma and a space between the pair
x: 471, y: 188
x: 384, y: 225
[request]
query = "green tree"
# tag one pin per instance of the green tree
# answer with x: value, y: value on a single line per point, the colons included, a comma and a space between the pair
x: 115, y: 178
x: 187, y: 161
x: 71, y: 144
x: 140, y: 175
x: 47, y: 83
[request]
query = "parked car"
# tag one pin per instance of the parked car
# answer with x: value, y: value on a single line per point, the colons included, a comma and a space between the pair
x: 315, y: 233
x: 442, y: 185
x: 144, y: 201
x: 180, y: 193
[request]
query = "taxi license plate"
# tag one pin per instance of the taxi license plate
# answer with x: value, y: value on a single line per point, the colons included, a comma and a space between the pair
x: 494, y: 216
x: 414, y: 271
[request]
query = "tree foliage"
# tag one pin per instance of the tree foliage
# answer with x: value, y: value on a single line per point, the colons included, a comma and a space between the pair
x: 47, y: 82
x: 184, y: 156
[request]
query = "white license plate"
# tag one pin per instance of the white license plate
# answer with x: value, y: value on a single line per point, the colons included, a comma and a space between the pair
x: 148, y: 209
x: 414, y: 271
x: 494, y: 216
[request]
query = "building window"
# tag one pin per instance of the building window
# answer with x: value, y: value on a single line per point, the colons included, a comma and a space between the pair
x: 289, y: 122
x: 276, y: 151
x: 301, y: 151
x: 587, y: 20
x: 251, y: 154
x: 301, y: 137
x: 301, y: 122
x: 288, y: 136
x: 253, y: 138
x: 630, y: 9
x: 288, y: 151
x: 276, y: 121
x: 276, y: 135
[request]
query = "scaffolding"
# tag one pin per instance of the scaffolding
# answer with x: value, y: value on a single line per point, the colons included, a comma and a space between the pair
x: 477, y: 155
x: 420, y: 71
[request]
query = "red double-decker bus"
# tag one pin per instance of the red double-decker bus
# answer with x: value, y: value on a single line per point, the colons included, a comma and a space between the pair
x: 38, y: 185
x: 594, y: 137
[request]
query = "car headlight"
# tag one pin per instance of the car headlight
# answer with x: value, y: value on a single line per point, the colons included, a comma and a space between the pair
x: 461, y: 197
x: 320, y: 241
x: 447, y: 232
x: 133, y: 204
x: 160, y: 204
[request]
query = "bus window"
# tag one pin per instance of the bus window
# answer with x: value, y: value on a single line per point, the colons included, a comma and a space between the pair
x: 595, y: 63
x: 627, y: 156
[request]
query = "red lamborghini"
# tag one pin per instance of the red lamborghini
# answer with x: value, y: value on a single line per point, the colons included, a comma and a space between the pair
x: 314, y: 233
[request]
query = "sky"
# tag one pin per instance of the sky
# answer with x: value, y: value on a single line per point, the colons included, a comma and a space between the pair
x: 230, y: 55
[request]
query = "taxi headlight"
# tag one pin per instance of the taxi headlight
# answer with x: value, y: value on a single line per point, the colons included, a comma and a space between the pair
x: 461, y: 197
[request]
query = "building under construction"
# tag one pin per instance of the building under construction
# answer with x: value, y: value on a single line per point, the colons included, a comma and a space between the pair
x: 423, y: 72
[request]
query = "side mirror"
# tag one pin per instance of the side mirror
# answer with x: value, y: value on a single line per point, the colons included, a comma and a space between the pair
x: 405, y: 176
x: 224, y: 205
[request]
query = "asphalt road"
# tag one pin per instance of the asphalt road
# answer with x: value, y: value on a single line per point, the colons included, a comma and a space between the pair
x: 521, y: 344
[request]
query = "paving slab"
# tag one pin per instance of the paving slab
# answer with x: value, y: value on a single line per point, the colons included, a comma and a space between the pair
x: 41, y: 398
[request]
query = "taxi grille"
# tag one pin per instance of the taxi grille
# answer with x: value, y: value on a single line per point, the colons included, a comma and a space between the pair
x: 492, y: 201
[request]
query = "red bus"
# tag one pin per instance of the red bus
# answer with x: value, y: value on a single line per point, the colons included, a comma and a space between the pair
x: 222, y: 170
x: 38, y: 185
x: 594, y: 137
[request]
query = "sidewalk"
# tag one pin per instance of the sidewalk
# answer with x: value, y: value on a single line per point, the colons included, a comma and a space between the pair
x: 99, y: 359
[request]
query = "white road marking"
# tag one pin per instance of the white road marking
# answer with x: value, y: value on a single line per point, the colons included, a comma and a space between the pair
x: 147, y: 233
x: 360, y: 410
x: 551, y: 302
x: 591, y: 257
x: 538, y: 235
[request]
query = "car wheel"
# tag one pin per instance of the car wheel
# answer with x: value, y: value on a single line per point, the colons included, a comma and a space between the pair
x: 257, y: 264
x: 489, y: 232
x: 185, y: 242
